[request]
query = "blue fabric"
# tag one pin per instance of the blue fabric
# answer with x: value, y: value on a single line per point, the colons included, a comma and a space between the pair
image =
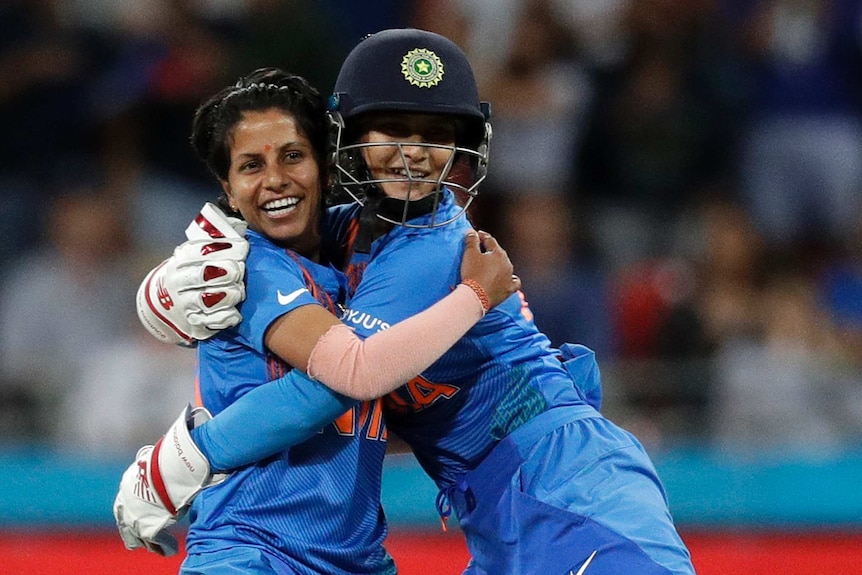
x: 550, y: 495
x: 580, y: 362
x: 315, y: 506
x: 502, y: 373
x: 506, y: 425
x: 240, y: 560
x: 297, y: 408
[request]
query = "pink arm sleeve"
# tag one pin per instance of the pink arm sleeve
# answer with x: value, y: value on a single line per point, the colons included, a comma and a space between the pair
x: 367, y: 369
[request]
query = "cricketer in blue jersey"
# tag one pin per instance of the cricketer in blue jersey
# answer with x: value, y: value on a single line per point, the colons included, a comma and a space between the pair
x: 313, y: 508
x: 506, y: 425
x: 539, y: 479
x: 313, y: 505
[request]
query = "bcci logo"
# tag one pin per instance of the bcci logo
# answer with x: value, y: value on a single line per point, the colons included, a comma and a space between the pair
x: 422, y: 68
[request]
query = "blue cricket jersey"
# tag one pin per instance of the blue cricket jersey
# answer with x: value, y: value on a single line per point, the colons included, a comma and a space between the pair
x: 540, y: 481
x: 500, y: 375
x: 505, y: 424
x: 316, y: 506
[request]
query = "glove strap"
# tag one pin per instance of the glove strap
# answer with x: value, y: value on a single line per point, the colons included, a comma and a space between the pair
x: 178, y: 469
x: 159, y: 482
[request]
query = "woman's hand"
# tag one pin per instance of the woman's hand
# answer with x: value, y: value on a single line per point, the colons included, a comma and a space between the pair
x: 487, y: 263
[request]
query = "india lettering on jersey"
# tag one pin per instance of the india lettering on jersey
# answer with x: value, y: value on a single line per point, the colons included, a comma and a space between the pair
x: 422, y: 393
x: 365, y: 418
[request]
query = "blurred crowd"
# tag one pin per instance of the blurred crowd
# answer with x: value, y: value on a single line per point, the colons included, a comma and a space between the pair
x: 678, y: 182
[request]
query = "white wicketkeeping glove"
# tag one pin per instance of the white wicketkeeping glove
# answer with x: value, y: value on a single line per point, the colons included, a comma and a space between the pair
x: 157, y: 489
x: 193, y: 295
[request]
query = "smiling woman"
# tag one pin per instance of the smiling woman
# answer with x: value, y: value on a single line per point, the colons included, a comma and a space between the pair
x: 409, y: 156
x: 505, y: 424
x: 264, y: 140
x: 274, y: 179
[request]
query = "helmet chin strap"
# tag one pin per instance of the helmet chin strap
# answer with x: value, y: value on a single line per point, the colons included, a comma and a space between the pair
x: 379, y: 206
x: 403, y: 210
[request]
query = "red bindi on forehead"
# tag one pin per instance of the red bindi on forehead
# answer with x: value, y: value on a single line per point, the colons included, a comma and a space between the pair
x: 267, y: 148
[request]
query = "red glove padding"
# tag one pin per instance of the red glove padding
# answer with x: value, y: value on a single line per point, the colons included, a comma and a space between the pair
x: 194, y: 294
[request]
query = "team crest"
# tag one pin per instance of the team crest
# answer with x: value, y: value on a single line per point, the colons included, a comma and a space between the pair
x: 422, y: 67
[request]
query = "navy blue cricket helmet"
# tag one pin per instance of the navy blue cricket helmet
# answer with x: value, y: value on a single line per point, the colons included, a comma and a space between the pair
x: 414, y: 71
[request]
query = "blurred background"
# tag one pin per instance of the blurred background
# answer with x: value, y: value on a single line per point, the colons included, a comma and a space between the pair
x: 678, y: 182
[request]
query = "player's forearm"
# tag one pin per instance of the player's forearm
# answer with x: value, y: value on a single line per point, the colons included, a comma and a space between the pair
x: 267, y: 420
x: 390, y: 358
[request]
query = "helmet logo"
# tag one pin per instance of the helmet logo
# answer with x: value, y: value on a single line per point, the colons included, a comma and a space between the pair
x: 422, y: 67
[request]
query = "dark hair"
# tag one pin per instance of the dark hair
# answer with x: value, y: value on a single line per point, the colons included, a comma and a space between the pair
x: 263, y: 89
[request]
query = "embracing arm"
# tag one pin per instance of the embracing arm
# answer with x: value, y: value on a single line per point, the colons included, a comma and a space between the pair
x: 388, y: 359
x: 366, y: 369
x: 195, y: 293
x: 296, y: 408
x: 156, y: 489
x: 348, y: 368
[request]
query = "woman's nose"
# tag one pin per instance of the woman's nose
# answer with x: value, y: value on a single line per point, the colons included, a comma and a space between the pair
x: 414, y: 147
x: 274, y: 177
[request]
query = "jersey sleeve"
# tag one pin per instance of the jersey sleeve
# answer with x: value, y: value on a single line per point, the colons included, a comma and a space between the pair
x: 275, y: 285
x: 405, y: 278
x: 297, y: 407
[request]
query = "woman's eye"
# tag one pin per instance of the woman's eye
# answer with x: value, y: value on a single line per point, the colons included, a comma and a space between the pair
x: 440, y: 136
x: 395, y: 130
x: 293, y: 156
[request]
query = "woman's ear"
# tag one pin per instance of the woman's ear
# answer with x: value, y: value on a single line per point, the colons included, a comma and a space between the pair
x: 225, y: 185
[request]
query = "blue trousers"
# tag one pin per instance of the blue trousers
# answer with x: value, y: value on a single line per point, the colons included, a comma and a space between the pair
x: 240, y: 560
x: 570, y: 493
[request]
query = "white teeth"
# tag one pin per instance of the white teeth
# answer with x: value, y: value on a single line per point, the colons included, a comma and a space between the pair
x: 280, y: 206
x: 280, y: 203
x: 407, y: 173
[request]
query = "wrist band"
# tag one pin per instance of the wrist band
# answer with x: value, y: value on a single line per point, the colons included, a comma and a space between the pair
x: 480, y: 293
